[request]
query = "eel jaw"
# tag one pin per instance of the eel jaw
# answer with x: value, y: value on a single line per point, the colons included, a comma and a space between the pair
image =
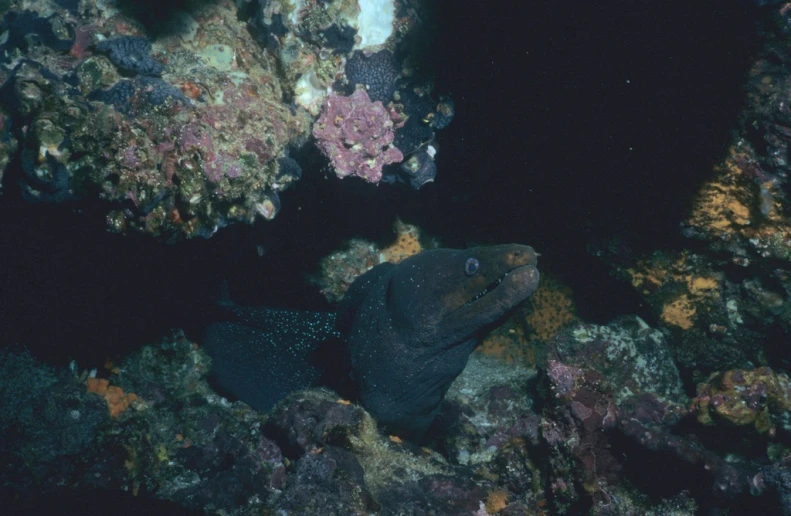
x: 488, y: 288
x: 511, y: 277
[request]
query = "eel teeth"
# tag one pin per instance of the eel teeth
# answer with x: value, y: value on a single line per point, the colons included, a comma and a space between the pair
x: 491, y: 286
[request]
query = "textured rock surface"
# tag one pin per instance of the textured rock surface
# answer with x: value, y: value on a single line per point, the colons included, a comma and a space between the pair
x: 174, y: 141
x: 179, y: 441
x: 356, y: 135
x: 177, y: 127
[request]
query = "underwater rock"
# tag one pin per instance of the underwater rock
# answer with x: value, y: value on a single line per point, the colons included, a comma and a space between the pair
x: 170, y: 142
x: 339, y: 269
x: 650, y: 422
x: 723, y: 302
x: 416, y: 171
x: 131, y: 54
x: 308, y: 421
x: 741, y: 213
x: 51, y: 415
x: 8, y: 146
x: 583, y: 426
x: 184, y: 131
x: 487, y: 407
x: 180, y: 441
x: 777, y: 477
x: 573, y: 436
x: 177, y: 440
x: 418, y: 116
x: 330, y: 482
x: 713, y: 320
x: 633, y: 357
x: 332, y: 48
x: 377, y: 73
x: 356, y: 135
x: 22, y: 31
x: 611, y: 385
x: 759, y: 397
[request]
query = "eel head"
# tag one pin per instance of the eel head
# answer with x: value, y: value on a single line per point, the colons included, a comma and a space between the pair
x: 455, y: 293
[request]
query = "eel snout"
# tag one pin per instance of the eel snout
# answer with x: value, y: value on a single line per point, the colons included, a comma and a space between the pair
x: 522, y: 255
x: 524, y: 279
x: 519, y: 278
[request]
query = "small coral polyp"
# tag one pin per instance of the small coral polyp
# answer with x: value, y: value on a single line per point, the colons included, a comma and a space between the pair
x: 356, y: 135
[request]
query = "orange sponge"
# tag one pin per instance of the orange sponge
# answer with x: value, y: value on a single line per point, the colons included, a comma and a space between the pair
x: 407, y: 243
x: 117, y: 400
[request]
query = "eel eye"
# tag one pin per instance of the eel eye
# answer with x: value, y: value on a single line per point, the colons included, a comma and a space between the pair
x: 471, y: 266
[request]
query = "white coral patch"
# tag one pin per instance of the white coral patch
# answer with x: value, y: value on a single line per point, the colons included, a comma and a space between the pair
x: 293, y: 14
x: 310, y: 92
x: 375, y: 22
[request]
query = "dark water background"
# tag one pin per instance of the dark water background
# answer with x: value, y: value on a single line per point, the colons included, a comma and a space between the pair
x: 574, y: 122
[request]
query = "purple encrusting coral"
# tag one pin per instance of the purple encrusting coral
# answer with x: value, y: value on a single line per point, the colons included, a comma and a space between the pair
x: 356, y: 135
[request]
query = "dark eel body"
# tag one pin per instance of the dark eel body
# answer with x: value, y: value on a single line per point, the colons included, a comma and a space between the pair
x: 406, y: 331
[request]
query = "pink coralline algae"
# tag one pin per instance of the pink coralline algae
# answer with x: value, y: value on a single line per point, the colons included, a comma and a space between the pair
x: 356, y: 135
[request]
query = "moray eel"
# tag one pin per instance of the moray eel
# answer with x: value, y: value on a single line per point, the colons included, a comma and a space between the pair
x: 260, y: 355
x: 412, y: 326
x: 407, y: 331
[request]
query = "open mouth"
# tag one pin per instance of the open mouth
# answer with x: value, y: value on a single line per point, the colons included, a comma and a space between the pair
x: 524, y: 283
x: 488, y: 288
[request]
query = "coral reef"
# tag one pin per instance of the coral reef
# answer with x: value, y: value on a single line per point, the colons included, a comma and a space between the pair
x: 183, y: 443
x: 8, y: 146
x: 607, y: 392
x: 315, y: 453
x: 331, y: 48
x: 177, y: 142
x: 720, y: 308
x: 716, y: 320
x: 418, y: 116
x: 508, y: 343
x: 507, y: 439
x: 377, y: 73
x: 339, y: 269
x: 552, y: 309
x: 778, y: 476
x: 549, y: 439
x: 26, y: 29
x: 634, y: 357
x: 177, y: 133
x: 407, y: 243
x: 758, y: 397
x: 131, y: 54
x: 525, y: 336
x: 180, y: 132
x: 356, y: 135
x: 51, y: 416
x: 723, y: 302
x: 117, y: 400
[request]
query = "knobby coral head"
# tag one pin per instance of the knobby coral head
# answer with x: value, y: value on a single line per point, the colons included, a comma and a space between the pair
x: 356, y: 135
